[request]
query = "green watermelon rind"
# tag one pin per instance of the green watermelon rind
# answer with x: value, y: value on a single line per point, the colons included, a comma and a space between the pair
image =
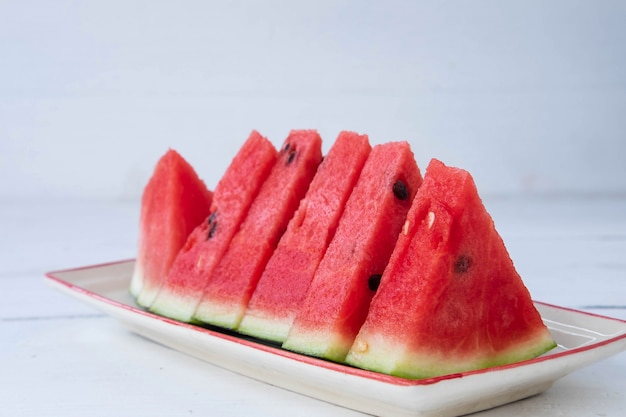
x: 176, y: 308
x: 218, y: 314
x: 330, y: 346
x: 272, y: 329
x: 146, y: 296
x: 136, y: 282
x: 383, y: 358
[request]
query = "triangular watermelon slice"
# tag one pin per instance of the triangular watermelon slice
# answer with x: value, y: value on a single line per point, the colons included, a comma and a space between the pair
x: 338, y: 298
x: 450, y: 299
x: 182, y: 290
x: 173, y: 203
x: 283, y: 285
x: 234, y: 279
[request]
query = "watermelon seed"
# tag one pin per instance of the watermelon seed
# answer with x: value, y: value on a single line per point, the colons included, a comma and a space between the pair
x: 291, y: 157
x: 361, y: 346
x: 374, y: 281
x: 462, y: 264
x: 405, y: 227
x: 212, y: 230
x: 400, y: 190
x: 212, y: 222
x: 430, y: 218
x: 287, y: 148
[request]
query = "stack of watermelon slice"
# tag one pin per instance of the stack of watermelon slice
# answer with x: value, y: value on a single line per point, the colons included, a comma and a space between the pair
x: 353, y: 257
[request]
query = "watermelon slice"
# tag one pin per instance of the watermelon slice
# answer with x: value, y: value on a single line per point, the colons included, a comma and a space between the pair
x: 236, y: 275
x: 289, y: 272
x: 337, y: 301
x: 182, y: 290
x: 450, y: 299
x: 174, y: 201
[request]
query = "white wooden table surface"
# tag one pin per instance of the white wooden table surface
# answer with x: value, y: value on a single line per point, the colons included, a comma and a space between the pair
x: 59, y: 357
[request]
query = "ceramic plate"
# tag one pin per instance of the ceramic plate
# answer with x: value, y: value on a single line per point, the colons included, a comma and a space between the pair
x: 582, y: 339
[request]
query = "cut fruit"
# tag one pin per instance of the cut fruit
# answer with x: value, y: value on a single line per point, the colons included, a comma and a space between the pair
x: 286, y: 278
x: 174, y: 202
x: 450, y: 299
x: 236, y: 275
x: 182, y: 291
x: 339, y: 295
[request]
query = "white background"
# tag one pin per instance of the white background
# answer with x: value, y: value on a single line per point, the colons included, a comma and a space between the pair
x: 529, y: 96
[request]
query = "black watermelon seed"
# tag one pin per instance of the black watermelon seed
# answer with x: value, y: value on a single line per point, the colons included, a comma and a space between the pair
x: 291, y: 157
x: 286, y: 146
x: 374, y: 281
x: 400, y: 190
x: 212, y: 230
x: 462, y: 264
x: 212, y: 217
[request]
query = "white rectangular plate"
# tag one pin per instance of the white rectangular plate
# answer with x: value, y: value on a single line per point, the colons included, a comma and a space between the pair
x: 582, y: 339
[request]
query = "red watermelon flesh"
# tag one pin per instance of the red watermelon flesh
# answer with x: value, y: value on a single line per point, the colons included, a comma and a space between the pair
x: 236, y: 275
x: 450, y: 299
x: 182, y: 290
x: 289, y: 271
x: 337, y: 300
x: 174, y: 202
